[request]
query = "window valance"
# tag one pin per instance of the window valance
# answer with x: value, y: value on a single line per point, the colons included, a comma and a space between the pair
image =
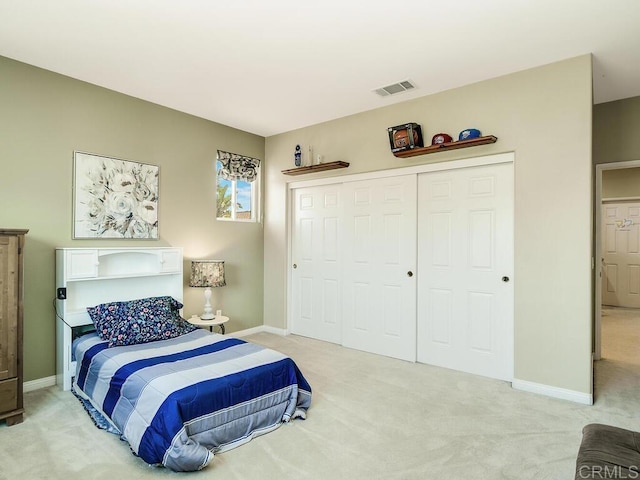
x: 238, y: 167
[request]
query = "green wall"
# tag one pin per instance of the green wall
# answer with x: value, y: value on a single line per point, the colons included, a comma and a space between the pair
x: 544, y: 116
x: 615, y: 131
x: 622, y: 183
x: 44, y: 118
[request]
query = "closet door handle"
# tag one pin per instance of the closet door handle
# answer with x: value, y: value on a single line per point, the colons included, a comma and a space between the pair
x: 505, y: 279
x: 409, y: 273
x: 295, y: 265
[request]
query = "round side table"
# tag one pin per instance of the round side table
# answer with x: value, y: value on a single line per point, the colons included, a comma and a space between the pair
x: 219, y: 321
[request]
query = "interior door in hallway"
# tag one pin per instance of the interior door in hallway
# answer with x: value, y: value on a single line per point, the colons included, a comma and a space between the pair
x: 379, y: 297
x: 621, y: 254
x: 315, y: 267
x: 465, y: 264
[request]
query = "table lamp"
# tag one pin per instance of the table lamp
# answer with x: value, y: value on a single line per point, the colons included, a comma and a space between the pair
x: 207, y: 273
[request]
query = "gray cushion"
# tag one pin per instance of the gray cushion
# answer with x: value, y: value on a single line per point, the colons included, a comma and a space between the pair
x: 608, y: 452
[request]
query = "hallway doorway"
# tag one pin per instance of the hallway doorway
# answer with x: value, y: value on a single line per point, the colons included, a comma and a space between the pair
x: 616, y: 183
x: 616, y: 327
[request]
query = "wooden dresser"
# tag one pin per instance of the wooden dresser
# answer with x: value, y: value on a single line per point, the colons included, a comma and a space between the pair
x: 11, y: 306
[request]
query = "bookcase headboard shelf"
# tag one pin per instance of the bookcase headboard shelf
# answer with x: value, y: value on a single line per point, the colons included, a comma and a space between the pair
x: 89, y: 276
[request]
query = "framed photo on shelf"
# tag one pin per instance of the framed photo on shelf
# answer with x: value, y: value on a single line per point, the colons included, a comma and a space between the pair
x: 114, y: 198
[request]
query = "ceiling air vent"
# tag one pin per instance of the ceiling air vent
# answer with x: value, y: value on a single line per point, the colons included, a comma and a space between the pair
x: 395, y: 88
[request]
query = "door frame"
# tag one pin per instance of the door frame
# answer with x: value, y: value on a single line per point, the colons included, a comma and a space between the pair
x: 597, y: 262
x: 507, y: 157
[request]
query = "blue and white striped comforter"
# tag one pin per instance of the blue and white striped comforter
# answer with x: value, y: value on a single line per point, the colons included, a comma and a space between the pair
x: 178, y: 401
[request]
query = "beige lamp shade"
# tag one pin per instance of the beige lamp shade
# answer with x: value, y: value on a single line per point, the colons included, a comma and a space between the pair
x: 207, y: 273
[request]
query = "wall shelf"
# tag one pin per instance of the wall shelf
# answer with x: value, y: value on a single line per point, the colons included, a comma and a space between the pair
x: 472, y: 142
x: 320, y: 167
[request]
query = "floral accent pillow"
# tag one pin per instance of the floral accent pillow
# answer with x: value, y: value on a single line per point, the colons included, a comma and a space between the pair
x: 139, y: 321
x: 105, y: 315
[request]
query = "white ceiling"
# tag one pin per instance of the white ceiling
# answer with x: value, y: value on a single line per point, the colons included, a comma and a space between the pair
x: 270, y: 66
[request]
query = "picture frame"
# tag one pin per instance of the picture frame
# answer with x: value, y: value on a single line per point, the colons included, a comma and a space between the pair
x: 114, y: 198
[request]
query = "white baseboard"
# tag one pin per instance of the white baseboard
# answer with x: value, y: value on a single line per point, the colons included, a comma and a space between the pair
x: 556, y: 392
x: 276, y: 331
x: 261, y: 329
x: 45, y: 382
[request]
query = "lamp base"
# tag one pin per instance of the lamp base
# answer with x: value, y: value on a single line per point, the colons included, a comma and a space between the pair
x: 208, y: 311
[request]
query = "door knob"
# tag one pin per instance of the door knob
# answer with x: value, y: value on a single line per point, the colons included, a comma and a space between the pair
x: 409, y: 273
x: 295, y: 265
x: 505, y: 279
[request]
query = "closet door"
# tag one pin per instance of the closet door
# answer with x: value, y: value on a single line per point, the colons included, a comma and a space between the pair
x: 379, y: 258
x: 315, y: 274
x: 465, y: 259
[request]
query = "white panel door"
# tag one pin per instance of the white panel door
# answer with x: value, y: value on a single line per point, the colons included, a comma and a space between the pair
x: 465, y: 264
x: 315, y: 274
x: 621, y: 254
x: 379, y: 303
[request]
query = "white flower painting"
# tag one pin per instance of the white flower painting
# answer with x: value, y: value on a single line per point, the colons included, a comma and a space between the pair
x: 114, y: 198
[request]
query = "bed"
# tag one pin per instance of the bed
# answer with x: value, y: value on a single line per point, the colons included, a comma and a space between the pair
x: 176, y: 393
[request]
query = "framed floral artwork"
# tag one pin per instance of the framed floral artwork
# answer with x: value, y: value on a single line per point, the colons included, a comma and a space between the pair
x: 114, y: 198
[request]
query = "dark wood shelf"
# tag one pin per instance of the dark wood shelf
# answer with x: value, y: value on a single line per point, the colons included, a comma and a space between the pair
x: 320, y: 167
x: 472, y: 142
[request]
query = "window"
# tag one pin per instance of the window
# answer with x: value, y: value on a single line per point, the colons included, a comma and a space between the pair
x: 237, y: 187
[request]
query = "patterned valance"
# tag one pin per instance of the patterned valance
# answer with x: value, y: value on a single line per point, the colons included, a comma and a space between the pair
x: 238, y: 167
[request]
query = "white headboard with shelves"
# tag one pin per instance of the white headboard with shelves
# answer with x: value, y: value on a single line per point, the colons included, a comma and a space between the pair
x: 89, y: 276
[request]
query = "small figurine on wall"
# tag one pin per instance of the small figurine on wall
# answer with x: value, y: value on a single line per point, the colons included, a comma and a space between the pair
x: 298, y: 156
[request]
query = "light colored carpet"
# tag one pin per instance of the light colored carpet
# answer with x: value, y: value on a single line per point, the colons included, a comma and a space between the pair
x: 371, y: 417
